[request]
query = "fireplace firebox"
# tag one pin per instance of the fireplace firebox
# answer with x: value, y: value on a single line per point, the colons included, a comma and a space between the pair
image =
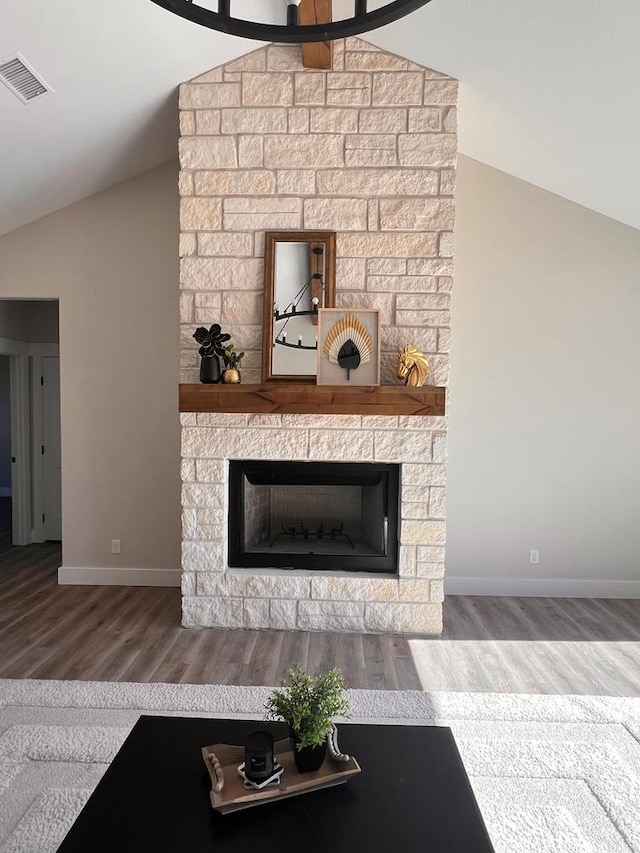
x: 326, y: 516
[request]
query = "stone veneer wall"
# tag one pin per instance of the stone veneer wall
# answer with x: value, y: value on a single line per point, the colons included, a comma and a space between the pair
x: 368, y: 150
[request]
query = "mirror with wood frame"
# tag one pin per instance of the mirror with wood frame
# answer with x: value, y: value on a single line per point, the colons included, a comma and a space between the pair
x: 299, y: 278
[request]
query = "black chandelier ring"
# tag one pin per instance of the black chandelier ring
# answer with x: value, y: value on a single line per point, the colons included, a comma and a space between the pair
x: 294, y: 33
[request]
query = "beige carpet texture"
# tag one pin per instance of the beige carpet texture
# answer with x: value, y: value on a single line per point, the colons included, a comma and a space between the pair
x: 551, y: 774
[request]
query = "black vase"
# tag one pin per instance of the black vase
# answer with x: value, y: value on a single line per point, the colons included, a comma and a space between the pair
x: 210, y: 369
x: 309, y: 758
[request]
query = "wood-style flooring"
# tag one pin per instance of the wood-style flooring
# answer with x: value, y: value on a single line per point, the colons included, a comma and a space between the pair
x: 521, y: 645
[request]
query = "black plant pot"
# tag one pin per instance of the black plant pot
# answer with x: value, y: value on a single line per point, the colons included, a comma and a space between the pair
x: 309, y: 758
x: 210, y: 369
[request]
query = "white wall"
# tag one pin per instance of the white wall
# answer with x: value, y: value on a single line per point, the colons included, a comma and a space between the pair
x: 545, y: 394
x: 111, y: 260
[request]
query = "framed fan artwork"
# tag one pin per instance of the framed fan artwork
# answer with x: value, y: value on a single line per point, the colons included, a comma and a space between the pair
x: 348, y: 347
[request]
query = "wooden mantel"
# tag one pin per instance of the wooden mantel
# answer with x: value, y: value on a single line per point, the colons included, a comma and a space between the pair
x: 276, y: 398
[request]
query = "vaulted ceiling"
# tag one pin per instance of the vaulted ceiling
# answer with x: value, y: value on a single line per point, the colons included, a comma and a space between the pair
x: 549, y: 92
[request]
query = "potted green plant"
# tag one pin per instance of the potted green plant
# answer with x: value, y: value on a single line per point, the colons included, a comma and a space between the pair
x: 232, y: 361
x: 307, y: 704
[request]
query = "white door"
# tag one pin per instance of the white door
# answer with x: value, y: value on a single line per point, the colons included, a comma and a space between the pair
x: 51, y: 480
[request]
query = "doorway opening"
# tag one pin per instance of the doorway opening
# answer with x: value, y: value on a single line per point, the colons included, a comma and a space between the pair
x: 5, y: 450
x: 30, y: 471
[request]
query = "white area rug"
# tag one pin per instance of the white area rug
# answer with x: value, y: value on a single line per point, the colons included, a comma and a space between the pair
x: 551, y: 774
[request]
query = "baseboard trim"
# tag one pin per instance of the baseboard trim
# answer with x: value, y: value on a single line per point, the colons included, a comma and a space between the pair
x: 542, y: 587
x: 525, y: 587
x: 77, y: 575
x: 5, y: 491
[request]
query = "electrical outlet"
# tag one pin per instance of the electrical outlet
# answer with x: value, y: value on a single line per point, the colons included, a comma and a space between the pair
x: 115, y: 546
x: 534, y: 556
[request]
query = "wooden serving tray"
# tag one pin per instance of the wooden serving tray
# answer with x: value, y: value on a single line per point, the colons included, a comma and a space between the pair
x: 234, y: 796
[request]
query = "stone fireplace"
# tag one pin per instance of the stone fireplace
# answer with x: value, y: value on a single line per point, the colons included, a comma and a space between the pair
x: 320, y: 516
x: 367, y: 149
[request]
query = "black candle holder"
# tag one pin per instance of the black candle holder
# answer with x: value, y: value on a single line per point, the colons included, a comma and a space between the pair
x: 258, y: 756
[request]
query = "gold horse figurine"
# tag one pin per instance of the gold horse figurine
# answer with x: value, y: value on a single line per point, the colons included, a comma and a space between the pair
x: 413, y: 367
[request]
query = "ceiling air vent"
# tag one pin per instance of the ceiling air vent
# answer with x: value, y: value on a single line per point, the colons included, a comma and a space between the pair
x: 22, y: 79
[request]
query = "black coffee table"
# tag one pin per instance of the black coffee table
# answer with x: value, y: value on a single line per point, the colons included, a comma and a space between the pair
x: 412, y: 796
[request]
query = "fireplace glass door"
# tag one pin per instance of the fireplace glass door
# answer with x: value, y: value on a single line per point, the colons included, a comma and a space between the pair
x: 326, y: 516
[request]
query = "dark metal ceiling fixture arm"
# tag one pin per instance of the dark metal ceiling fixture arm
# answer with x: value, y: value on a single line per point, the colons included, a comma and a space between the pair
x: 292, y: 308
x: 291, y: 311
x: 361, y: 22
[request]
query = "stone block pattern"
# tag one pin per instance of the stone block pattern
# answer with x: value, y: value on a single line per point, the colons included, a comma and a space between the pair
x: 214, y: 595
x: 366, y: 149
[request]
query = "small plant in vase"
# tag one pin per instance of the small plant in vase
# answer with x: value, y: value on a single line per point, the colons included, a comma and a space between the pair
x: 212, y: 347
x: 232, y: 361
x: 308, y: 704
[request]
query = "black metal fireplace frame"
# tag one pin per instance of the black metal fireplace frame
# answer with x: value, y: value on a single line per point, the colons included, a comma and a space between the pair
x: 311, y: 473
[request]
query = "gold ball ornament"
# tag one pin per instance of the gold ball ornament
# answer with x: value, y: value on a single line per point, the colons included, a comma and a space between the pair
x: 231, y: 376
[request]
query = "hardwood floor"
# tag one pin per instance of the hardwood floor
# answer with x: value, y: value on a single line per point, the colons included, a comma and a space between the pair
x: 524, y: 645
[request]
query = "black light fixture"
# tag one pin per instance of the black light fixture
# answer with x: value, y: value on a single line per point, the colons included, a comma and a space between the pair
x: 293, y: 32
x: 292, y: 311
